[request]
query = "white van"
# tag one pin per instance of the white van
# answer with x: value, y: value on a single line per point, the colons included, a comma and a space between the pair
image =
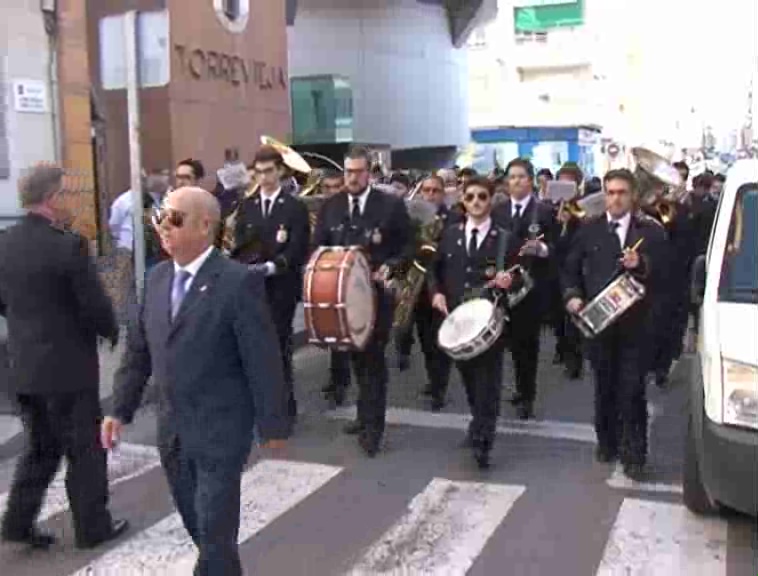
x: 721, y: 460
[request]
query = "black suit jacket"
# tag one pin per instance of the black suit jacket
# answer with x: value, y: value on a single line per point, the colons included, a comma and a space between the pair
x: 283, y: 238
x: 593, y: 261
x: 460, y: 276
x: 216, y: 366
x: 541, y: 217
x: 56, y: 308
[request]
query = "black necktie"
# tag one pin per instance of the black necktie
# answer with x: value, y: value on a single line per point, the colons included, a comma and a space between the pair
x: 266, y: 207
x: 473, y: 245
x: 613, y: 227
x: 356, y: 212
x: 517, y: 207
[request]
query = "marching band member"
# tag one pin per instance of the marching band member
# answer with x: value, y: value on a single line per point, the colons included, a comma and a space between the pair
x: 465, y: 265
x: 272, y: 233
x: 427, y: 320
x: 380, y: 223
x: 532, y: 225
x: 603, y: 248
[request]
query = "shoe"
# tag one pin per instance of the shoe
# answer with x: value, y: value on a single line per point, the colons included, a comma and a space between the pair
x: 428, y: 390
x: 605, y: 455
x: 437, y: 404
x: 117, y: 528
x: 516, y: 399
x: 574, y: 373
x: 635, y: 471
x: 557, y: 359
x: 403, y: 363
x: 34, y: 539
x: 482, y: 457
x: 329, y: 388
x: 525, y: 410
x: 339, y: 395
x: 369, y: 443
x: 353, y: 428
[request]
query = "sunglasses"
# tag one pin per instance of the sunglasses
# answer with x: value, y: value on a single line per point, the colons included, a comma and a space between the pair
x: 481, y: 196
x: 174, y: 217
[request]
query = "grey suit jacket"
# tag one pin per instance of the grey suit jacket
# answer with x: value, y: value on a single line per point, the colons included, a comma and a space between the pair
x: 216, y: 366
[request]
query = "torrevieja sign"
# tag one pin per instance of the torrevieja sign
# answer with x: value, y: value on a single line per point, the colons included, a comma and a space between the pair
x: 212, y: 65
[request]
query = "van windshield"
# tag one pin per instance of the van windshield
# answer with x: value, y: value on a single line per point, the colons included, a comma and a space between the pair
x: 739, y: 274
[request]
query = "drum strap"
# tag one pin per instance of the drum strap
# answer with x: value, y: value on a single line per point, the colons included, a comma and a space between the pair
x: 502, y: 245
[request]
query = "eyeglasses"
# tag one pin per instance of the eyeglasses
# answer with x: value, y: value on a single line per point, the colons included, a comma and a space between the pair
x: 471, y: 196
x: 174, y: 217
x: 269, y: 170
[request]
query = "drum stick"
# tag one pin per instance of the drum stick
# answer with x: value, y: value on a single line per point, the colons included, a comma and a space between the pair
x: 636, y: 245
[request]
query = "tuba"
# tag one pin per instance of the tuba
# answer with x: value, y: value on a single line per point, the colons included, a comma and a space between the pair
x: 657, y: 178
x: 428, y: 226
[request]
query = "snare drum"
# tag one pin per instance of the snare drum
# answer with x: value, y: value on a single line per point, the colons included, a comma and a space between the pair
x: 339, y: 298
x: 522, y: 285
x: 471, y: 329
x: 609, y: 305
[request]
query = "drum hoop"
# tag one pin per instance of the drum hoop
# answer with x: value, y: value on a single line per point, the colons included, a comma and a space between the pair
x: 493, y: 324
x: 309, y: 273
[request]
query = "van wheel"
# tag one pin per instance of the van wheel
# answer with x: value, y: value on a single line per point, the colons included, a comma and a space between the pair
x: 695, y: 497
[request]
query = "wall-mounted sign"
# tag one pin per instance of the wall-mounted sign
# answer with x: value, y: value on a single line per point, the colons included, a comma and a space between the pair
x: 213, y: 65
x: 30, y: 96
x: 532, y: 3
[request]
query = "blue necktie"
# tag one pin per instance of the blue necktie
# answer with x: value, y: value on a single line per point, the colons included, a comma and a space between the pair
x: 178, y: 291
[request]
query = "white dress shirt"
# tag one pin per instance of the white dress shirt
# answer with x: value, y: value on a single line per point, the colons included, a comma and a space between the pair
x: 121, y: 220
x: 193, y: 268
x: 524, y: 203
x: 362, y: 198
x: 623, y: 227
x: 482, y: 228
x: 271, y: 197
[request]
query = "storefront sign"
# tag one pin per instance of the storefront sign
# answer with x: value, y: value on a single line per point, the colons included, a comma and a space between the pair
x: 212, y: 65
x: 30, y: 96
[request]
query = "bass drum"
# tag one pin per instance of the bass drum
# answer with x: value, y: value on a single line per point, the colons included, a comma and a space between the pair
x: 339, y: 298
x: 471, y: 329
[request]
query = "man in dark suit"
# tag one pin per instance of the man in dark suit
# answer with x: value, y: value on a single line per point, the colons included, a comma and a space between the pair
x: 467, y: 262
x: 272, y: 236
x: 379, y: 222
x: 56, y: 308
x: 601, y: 250
x: 205, y: 334
x: 426, y: 320
x: 533, y: 226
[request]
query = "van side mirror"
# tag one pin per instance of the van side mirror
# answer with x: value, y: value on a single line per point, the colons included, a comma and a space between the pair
x: 697, y: 283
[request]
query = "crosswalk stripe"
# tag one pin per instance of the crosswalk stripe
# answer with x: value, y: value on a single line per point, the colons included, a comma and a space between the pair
x: 661, y: 538
x: 442, y: 420
x: 125, y: 463
x: 445, y: 529
x: 269, y: 489
x: 619, y: 480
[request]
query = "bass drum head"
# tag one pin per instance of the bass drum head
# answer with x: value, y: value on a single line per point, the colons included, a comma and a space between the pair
x: 465, y: 323
x: 360, y: 304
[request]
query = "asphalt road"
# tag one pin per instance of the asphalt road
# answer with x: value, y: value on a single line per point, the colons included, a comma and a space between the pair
x: 422, y: 507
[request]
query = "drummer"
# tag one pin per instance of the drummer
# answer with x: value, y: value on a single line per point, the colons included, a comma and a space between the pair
x: 465, y: 266
x: 603, y: 248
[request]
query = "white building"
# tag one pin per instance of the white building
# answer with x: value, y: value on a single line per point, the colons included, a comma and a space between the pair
x: 399, y: 58
x: 27, y: 120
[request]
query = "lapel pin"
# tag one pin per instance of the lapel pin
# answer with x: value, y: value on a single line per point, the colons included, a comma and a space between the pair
x: 203, y: 288
x: 280, y: 201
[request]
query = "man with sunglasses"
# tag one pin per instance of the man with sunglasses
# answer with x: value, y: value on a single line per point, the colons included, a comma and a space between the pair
x: 425, y: 319
x: 379, y: 222
x: 467, y: 264
x: 533, y: 226
x: 272, y: 235
x: 205, y: 335
x: 618, y: 241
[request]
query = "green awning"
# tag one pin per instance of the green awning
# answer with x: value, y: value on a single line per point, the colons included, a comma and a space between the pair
x: 540, y: 17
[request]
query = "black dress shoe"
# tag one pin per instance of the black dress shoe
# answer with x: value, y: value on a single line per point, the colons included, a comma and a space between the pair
x: 369, y: 443
x: 117, y: 528
x: 525, y: 411
x: 34, y: 539
x: 339, y: 395
x: 605, y: 455
x: 329, y: 388
x: 635, y: 471
x: 482, y: 457
x: 428, y: 390
x: 353, y: 428
x: 403, y: 363
x: 574, y: 373
x: 516, y: 399
x: 437, y: 404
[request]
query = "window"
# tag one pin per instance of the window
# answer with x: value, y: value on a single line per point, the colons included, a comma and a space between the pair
x: 739, y: 271
x: 233, y: 14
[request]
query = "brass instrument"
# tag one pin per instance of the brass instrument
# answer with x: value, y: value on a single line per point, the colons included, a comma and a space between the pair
x: 228, y: 243
x: 407, y: 288
x: 657, y: 178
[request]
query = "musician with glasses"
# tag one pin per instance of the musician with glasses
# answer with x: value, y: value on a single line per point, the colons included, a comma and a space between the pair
x: 604, y: 248
x: 533, y: 226
x: 272, y: 235
x: 466, y: 264
x: 378, y: 222
x: 425, y: 319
